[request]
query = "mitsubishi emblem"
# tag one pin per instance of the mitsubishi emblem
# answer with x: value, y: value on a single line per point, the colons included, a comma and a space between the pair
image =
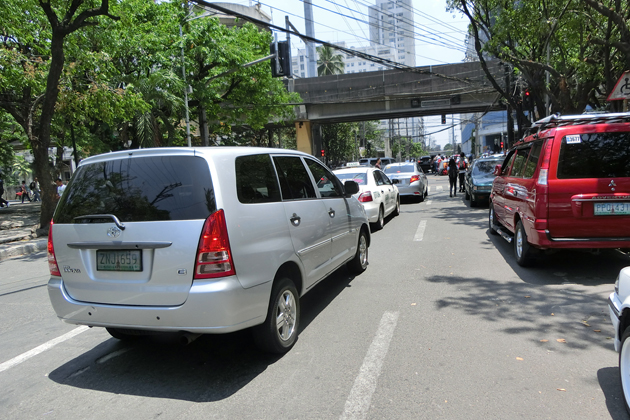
x: 612, y: 185
x: 113, y: 232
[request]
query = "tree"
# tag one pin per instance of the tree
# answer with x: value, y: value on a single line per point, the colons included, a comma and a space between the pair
x: 329, y: 62
x: 33, y: 57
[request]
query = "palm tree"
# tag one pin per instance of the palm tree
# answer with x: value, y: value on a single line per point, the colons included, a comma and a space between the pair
x: 329, y: 62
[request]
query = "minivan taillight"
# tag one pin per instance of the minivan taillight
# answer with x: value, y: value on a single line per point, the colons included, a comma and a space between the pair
x: 365, y: 197
x: 543, y: 174
x: 214, y: 256
x: 52, y: 260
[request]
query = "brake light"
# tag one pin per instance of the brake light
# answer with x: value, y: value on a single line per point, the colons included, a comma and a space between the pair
x: 366, y: 197
x: 214, y: 256
x: 544, y: 165
x: 414, y: 178
x: 52, y: 260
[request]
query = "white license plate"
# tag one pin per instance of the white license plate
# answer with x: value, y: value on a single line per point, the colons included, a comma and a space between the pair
x: 119, y: 260
x: 612, y: 209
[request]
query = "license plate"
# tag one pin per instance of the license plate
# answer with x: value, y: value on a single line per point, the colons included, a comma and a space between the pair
x: 612, y: 209
x: 119, y: 260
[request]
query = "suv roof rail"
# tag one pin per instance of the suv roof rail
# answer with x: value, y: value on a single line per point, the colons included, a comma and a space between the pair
x: 557, y: 120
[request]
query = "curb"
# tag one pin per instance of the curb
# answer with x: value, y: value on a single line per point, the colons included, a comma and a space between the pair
x: 29, y: 247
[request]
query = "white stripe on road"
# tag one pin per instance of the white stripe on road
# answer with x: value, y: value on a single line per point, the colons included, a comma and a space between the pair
x: 40, y: 349
x: 429, y: 202
x: 358, y: 402
x: 420, y: 232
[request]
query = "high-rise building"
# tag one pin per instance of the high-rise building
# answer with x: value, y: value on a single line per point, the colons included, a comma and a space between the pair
x: 391, y: 25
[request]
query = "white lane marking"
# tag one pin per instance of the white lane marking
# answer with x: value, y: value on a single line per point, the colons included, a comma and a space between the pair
x: 439, y: 188
x: 40, y: 349
x: 358, y: 402
x: 420, y: 232
x: 429, y: 202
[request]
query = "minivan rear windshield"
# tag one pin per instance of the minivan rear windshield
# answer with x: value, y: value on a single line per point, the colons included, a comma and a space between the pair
x: 139, y: 189
x: 596, y: 155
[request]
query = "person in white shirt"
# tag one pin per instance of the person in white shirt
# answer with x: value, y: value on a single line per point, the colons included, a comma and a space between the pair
x: 60, y: 187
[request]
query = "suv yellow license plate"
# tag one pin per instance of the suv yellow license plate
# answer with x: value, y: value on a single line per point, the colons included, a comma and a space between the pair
x: 612, y: 209
x: 119, y: 260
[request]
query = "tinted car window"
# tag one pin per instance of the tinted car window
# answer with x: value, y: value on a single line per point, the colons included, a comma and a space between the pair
x: 358, y: 177
x: 519, y: 162
x: 140, y: 189
x: 327, y: 184
x: 256, y: 180
x: 400, y: 168
x: 532, y: 162
x: 507, y: 163
x: 295, y: 182
x: 597, y: 155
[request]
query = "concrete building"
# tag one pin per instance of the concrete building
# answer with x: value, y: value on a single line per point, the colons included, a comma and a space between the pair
x: 392, y: 26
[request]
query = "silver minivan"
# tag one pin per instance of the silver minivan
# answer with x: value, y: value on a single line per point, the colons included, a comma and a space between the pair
x: 201, y: 240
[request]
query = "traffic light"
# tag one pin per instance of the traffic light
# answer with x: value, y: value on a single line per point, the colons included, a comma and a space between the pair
x: 443, y: 119
x: 281, y: 64
x: 323, y: 154
x: 501, y: 145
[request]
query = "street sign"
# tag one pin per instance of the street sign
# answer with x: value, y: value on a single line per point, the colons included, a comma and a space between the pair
x: 622, y: 88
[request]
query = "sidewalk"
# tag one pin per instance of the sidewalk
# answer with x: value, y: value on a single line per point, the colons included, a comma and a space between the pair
x: 17, y: 230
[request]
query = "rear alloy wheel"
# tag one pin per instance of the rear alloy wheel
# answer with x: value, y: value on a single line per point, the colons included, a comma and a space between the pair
x: 279, y: 331
x: 360, y: 261
x: 624, y: 367
x: 381, y: 220
x: 522, y: 249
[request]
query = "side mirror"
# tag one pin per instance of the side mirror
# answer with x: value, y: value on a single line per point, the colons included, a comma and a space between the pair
x: 350, y: 188
x: 497, y: 170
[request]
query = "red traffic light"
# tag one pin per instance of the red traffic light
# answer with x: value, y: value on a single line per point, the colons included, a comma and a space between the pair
x: 501, y: 145
x: 443, y: 119
x: 322, y: 152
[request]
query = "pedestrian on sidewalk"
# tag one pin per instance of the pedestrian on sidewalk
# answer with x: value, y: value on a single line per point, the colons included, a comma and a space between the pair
x: 60, y: 187
x: 24, y: 192
x: 462, y: 166
x: 35, y: 190
x: 452, y: 177
x: 3, y: 202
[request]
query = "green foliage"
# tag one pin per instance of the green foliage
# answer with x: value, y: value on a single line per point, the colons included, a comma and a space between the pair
x: 329, y: 61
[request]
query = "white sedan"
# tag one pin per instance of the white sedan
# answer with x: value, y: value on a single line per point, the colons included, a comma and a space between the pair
x: 379, y: 196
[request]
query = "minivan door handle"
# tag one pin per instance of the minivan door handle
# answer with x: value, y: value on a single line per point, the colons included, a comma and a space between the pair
x: 295, y: 220
x: 331, y: 212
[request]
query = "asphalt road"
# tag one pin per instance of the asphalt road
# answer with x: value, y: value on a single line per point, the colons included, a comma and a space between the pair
x: 442, y: 325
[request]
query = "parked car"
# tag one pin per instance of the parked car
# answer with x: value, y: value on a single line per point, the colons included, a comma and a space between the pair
x: 478, y: 180
x: 372, y: 161
x: 201, y: 240
x: 566, y: 185
x: 409, y: 178
x: 619, y: 310
x: 425, y: 164
x: 377, y: 193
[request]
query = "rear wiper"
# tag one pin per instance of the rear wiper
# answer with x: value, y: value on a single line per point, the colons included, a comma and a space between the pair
x: 102, y: 216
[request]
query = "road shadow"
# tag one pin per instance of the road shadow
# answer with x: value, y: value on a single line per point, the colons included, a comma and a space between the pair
x: 212, y: 368
x: 611, y: 387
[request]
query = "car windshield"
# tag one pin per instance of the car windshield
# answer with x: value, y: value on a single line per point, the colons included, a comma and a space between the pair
x: 396, y: 169
x: 358, y: 177
x: 485, y: 167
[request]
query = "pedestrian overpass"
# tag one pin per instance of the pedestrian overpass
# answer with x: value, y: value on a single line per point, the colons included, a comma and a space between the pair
x: 422, y: 91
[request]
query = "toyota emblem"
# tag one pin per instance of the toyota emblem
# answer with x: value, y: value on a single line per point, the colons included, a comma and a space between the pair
x: 113, y: 232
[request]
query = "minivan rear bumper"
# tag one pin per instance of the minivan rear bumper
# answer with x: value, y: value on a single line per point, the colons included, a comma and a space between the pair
x: 544, y: 239
x: 218, y: 306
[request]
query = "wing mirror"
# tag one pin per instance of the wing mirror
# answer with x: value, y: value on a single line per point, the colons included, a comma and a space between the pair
x: 350, y: 188
x: 497, y: 170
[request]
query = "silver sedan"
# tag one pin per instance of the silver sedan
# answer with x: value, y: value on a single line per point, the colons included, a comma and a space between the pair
x: 409, y: 178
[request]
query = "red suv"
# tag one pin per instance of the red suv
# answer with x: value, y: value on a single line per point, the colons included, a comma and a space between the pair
x: 566, y: 185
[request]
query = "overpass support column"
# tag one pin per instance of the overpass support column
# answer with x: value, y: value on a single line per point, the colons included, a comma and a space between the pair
x: 309, y: 139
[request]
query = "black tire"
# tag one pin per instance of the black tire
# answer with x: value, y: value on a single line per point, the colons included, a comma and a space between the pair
x: 378, y: 225
x: 466, y: 195
x: 523, y: 251
x: 360, y: 261
x: 473, y: 200
x: 397, y: 209
x: 624, y: 367
x: 275, y: 336
x: 492, y: 219
x: 421, y: 198
x: 426, y: 192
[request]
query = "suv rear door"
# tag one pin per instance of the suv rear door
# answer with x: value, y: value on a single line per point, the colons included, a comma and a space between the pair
x: 589, y: 194
x: 126, y: 230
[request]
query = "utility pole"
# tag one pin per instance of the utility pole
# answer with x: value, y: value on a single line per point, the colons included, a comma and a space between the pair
x: 310, y: 47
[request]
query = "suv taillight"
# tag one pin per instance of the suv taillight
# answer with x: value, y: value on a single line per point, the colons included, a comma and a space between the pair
x: 365, y: 197
x: 544, y: 165
x: 52, y: 260
x: 214, y: 256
